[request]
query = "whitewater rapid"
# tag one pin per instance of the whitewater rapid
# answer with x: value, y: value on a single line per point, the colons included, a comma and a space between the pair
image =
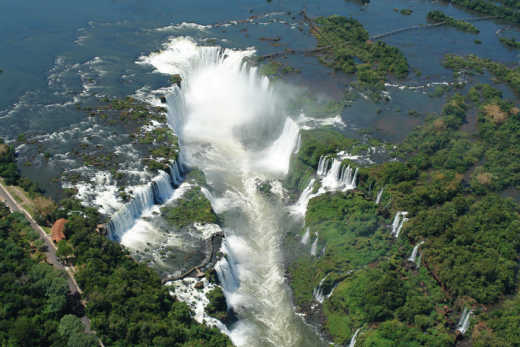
x: 233, y: 126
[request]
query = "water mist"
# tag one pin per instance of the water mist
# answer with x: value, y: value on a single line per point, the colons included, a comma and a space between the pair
x: 232, y: 125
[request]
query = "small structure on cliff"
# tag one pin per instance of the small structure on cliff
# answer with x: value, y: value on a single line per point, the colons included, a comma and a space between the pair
x: 58, y: 230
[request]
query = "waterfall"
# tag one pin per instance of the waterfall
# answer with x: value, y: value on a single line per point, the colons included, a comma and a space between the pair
x: 336, y: 176
x: 463, y: 324
x: 354, y: 337
x: 176, y: 173
x: 226, y: 270
x: 323, y: 165
x: 306, y: 236
x: 314, y: 247
x: 317, y: 293
x: 300, y: 207
x: 379, y: 195
x: 156, y: 192
x: 276, y: 157
x: 298, y: 144
x: 397, y: 225
x: 235, y: 127
x: 413, y: 256
x: 347, y: 179
x: 333, y: 176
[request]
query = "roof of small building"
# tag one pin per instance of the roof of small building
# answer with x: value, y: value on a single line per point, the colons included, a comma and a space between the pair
x: 58, y: 230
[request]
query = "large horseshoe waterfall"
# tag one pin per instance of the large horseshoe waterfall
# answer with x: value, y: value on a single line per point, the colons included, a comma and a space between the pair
x: 233, y: 126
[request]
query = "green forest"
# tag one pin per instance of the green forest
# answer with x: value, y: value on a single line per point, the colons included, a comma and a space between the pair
x: 37, y: 308
x: 449, y: 177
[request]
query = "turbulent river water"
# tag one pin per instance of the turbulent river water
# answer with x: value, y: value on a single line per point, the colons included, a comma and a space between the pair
x: 233, y: 125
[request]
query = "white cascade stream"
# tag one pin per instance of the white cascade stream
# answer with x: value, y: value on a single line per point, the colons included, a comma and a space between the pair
x: 354, y: 337
x: 413, y: 256
x: 379, y: 195
x: 463, y: 324
x: 397, y: 224
x: 333, y: 176
x: 306, y: 236
x: 314, y: 246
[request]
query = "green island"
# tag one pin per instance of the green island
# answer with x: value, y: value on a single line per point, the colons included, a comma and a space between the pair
x: 506, y: 10
x: 511, y: 43
x: 193, y: 207
x: 347, y: 48
x: 404, y: 11
x: 474, y: 64
x: 440, y: 17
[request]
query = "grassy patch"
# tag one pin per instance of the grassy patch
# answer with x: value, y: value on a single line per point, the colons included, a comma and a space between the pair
x: 191, y: 208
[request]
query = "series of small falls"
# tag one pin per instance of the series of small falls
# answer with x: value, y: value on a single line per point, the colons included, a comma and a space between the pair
x: 157, y: 192
x: 333, y: 175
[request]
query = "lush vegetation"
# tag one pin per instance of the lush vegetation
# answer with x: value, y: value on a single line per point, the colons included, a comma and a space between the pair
x: 509, y: 10
x: 126, y: 302
x: 503, y: 73
x: 511, y: 43
x: 440, y: 17
x: 348, y: 48
x: 36, y: 304
x: 448, y: 177
x: 192, y: 207
x: 217, y: 306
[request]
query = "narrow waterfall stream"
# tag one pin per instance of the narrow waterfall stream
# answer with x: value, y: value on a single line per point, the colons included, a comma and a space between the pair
x: 233, y: 126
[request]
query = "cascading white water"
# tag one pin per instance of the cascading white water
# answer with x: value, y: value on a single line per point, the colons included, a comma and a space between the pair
x: 333, y: 177
x: 399, y: 220
x: 298, y: 144
x: 336, y: 176
x: 317, y: 293
x: 231, y: 125
x: 306, y: 236
x: 379, y: 195
x: 156, y: 192
x: 413, y: 256
x: 354, y: 337
x: 463, y: 324
x: 300, y: 207
x: 314, y: 247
